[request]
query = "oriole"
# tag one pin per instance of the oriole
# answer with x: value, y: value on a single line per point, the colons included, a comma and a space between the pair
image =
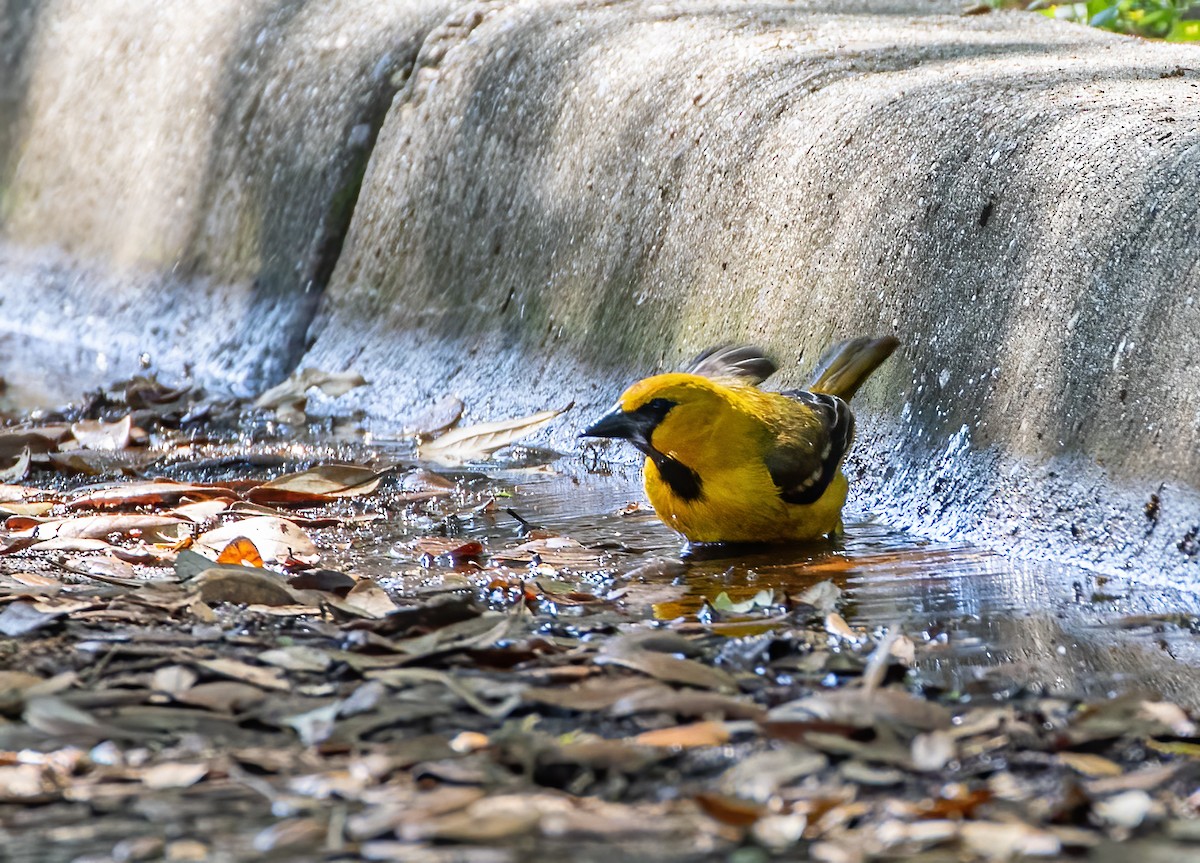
x: 728, y: 462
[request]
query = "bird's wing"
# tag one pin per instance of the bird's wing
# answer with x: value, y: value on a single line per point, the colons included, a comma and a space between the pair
x: 745, y: 363
x: 805, y: 458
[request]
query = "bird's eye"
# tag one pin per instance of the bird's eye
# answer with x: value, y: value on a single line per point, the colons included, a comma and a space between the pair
x: 656, y: 408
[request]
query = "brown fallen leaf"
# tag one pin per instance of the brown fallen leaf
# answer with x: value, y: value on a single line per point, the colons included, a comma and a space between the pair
x: 480, y: 441
x: 153, y: 493
x: 370, y: 598
x: 38, y: 440
x: 691, y: 736
x: 222, y: 696
x: 243, y: 585
x: 554, y: 551
x: 151, y: 528
x: 316, y: 485
x: 860, y: 708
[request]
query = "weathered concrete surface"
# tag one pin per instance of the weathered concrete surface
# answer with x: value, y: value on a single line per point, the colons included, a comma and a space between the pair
x: 566, y: 195
x: 569, y: 195
x: 185, y: 172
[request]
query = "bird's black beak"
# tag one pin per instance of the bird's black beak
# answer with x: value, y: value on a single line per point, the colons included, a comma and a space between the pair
x: 633, y: 426
x: 618, y: 424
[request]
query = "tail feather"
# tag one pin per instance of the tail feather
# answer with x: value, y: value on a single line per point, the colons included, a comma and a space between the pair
x: 844, y: 366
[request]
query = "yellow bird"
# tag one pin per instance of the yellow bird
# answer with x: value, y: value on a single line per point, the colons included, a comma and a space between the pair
x: 728, y: 462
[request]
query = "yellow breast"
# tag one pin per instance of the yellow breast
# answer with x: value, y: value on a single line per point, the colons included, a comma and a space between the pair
x: 742, y: 504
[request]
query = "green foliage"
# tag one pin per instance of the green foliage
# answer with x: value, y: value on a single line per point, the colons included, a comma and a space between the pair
x: 1158, y: 19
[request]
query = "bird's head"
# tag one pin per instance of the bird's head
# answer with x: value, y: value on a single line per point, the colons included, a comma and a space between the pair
x: 671, y: 405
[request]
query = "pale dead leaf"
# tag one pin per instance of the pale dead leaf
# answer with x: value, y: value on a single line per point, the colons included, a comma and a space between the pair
x: 1127, y: 809
x: 267, y: 678
x: 933, y: 750
x: 173, y: 774
x: 436, y: 418
x: 98, y: 435
x: 370, y: 598
x: 297, y: 658
x: 290, y: 398
x: 479, y: 441
x: 173, y: 679
x: 150, y: 528
x: 1090, y: 765
x: 277, y: 539
x: 19, y: 469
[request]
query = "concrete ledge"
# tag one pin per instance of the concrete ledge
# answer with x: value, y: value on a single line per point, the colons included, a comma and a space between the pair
x: 568, y: 195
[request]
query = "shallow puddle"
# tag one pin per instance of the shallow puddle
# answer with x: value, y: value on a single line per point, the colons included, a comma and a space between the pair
x: 997, y: 624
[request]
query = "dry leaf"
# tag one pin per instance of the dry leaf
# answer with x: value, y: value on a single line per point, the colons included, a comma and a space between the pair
x: 479, y: 441
x: 435, y: 419
x: 267, y: 678
x: 151, y: 493
x: 241, y: 551
x: 316, y: 485
x: 278, y: 540
x: 172, y: 774
x: 151, y: 528
x: 18, y: 470
x: 691, y: 736
x: 1090, y: 765
x: 370, y: 598
x: 243, y: 585
x: 290, y: 398
x: 97, y: 435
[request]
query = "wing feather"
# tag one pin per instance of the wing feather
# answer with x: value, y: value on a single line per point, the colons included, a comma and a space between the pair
x: 803, y: 465
x: 746, y: 363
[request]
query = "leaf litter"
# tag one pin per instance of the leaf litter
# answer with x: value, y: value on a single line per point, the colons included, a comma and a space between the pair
x: 188, y: 634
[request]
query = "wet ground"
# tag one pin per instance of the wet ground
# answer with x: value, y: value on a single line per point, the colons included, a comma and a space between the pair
x: 514, y: 659
x: 993, y: 618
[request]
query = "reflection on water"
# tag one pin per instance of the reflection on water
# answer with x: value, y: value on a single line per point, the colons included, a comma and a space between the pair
x: 994, y: 623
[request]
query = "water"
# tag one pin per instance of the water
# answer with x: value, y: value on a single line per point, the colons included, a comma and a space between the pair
x: 996, y: 624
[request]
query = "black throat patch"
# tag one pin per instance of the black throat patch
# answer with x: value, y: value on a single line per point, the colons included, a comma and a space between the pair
x: 683, y: 481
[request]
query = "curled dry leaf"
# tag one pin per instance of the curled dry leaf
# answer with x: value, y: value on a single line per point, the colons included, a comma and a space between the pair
x: 290, y: 398
x: 278, y: 540
x: 150, y: 528
x: 19, y: 469
x: 634, y: 654
x: 480, y: 441
x: 155, y: 493
x: 860, y: 708
x: 98, y: 435
x: 435, y: 419
x: 316, y: 485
